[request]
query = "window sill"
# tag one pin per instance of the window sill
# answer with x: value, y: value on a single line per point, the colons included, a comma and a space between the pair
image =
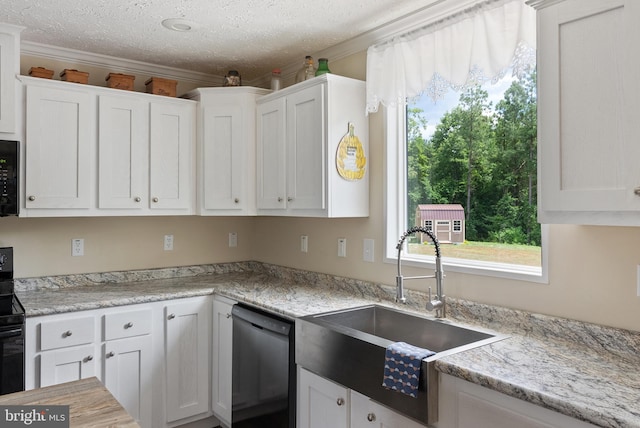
x: 480, y: 268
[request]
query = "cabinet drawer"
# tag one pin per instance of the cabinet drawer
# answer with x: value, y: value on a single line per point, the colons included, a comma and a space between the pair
x: 67, y: 332
x: 127, y: 324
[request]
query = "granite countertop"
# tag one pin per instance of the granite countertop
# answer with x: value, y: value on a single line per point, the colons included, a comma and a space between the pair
x: 582, y: 370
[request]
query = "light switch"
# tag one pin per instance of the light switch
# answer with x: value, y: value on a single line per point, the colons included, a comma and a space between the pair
x: 368, y: 250
x: 342, y: 247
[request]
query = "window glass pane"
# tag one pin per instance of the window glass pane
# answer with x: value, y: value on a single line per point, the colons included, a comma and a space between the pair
x: 471, y: 171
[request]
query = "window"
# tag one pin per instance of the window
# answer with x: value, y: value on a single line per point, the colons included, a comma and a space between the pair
x: 476, y: 150
x: 428, y: 224
x: 433, y: 162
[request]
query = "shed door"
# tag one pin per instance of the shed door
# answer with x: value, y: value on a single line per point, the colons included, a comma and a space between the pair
x: 443, y: 230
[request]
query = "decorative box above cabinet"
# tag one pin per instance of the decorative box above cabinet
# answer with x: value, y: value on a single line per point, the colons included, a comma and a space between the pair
x: 226, y: 150
x: 106, y: 152
x: 313, y: 148
x: 588, y: 108
x: 9, y: 68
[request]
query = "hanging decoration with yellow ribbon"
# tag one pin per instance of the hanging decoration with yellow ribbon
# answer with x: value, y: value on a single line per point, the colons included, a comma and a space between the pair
x: 351, y: 161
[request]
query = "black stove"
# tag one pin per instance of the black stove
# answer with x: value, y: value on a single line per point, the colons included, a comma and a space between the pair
x: 11, y: 328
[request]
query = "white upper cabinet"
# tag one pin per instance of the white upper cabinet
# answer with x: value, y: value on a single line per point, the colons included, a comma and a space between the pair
x: 123, y: 152
x: 172, y: 160
x: 313, y: 148
x: 588, y: 108
x: 60, y: 149
x: 226, y: 147
x: 93, y: 151
x: 9, y: 68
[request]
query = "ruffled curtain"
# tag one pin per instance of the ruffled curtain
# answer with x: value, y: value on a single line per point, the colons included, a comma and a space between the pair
x: 470, y: 47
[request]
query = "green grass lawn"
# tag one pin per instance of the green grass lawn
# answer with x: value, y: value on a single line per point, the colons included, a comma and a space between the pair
x: 487, y: 251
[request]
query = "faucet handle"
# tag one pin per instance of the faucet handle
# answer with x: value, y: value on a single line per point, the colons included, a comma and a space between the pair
x: 434, y: 304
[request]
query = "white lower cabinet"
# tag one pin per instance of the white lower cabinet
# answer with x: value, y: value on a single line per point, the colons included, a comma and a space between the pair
x: 326, y: 404
x: 127, y: 375
x: 67, y: 365
x: 153, y: 357
x: 466, y: 405
x: 128, y: 360
x: 222, y: 359
x: 187, y: 350
x: 321, y: 402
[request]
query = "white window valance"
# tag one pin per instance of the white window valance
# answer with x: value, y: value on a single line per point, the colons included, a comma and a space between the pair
x: 479, y: 44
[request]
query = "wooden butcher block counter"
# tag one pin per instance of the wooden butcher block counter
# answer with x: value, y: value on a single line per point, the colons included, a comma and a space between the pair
x: 90, y: 403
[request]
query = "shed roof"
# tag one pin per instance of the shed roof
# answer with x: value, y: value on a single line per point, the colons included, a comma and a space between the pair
x: 441, y: 211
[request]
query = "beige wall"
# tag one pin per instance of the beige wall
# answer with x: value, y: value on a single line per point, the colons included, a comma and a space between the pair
x: 592, y: 270
x: 43, y: 246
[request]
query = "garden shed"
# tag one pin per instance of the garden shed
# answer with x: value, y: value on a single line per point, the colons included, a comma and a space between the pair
x: 445, y: 220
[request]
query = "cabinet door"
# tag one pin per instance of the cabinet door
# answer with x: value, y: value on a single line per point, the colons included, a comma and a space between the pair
x: 127, y: 375
x: 306, y: 150
x: 8, y: 67
x: 588, y: 108
x: 369, y: 414
x: 67, y: 365
x: 321, y: 403
x: 187, y: 329
x: 271, y: 162
x: 123, y: 146
x: 222, y: 359
x: 59, y: 149
x: 224, y: 156
x: 171, y: 168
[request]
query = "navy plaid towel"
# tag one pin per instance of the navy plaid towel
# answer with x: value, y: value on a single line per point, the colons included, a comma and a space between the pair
x: 402, y: 367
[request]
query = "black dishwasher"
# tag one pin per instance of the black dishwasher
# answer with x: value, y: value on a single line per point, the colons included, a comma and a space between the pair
x: 264, y: 376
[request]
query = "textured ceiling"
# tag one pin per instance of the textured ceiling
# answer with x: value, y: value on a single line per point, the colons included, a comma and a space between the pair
x: 252, y: 36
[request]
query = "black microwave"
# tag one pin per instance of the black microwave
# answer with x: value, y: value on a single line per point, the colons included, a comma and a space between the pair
x: 9, y: 177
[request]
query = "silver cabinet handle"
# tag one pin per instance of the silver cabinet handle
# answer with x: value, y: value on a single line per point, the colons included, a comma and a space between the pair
x: 155, y: 199
x: 228, y: 315
x: 236, y: 200
x: 110, y: 354
x: 636, y: 191
x: 279, y: 199
x: 171, y: 316
x: 371, y: 417
x: 137, y: 199
x: 67, y: 333
x: 88, y: 358
x: 128, y: 325
x: 32, y: 198
x: 289, y: 199
x: 340, y: 401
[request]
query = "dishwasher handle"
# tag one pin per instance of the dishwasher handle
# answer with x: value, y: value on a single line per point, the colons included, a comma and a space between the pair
x: 261, y: 319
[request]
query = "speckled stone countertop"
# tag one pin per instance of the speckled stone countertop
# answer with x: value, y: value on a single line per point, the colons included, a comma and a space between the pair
x: 582, y: 370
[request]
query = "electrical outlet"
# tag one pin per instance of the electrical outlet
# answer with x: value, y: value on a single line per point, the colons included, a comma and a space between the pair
x: 77, y: 247
x: 168, y: 242
x: 233, y: 239
x: 342, y: 247
x: 304, y: 243
x: 367, y: 250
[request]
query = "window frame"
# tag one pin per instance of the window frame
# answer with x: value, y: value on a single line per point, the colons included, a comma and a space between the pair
x: 395, y: 192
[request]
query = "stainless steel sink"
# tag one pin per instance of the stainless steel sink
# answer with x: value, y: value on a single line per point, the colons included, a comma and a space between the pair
x: 348, y: 347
